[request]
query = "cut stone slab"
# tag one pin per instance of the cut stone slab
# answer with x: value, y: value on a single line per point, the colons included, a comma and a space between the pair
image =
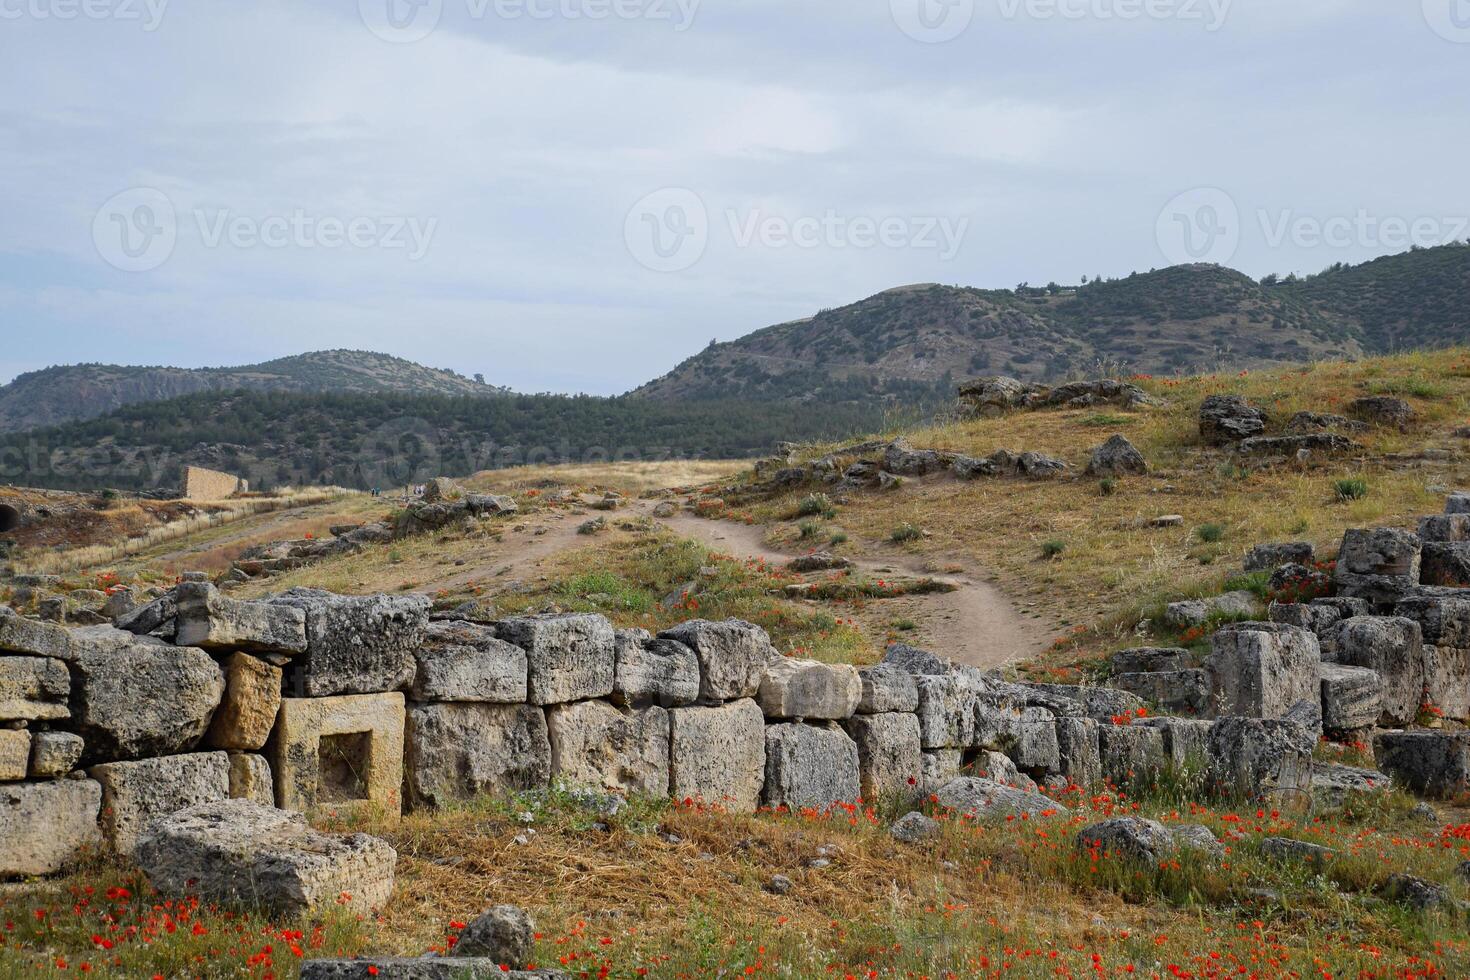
x: 448, y: 968
x: 1131, y: 839
x: 15, y: 754
x: 986, y: 797
x: 19, y: 634
x: 654, y: 671
x: 945, y: 712
x: 33, y: 689
x: 1260, y: 670
x: 1036, y: 750
x: 466, y: 662
x: 1445, y: 528
x: 250, y: 779
x: 570, y: 657
x: 598, y: 746
x: 810, y: 766
x: 1132, y: 756
x: 1250, y: 757
x: 1186, y: 740
x: 887, y: 688
x: 1176, y: 691
x: 1442, y: 621
x: 134, y: 794
x: 1446, y: 564
x: 212, y: 621
x: 1101, y: 704
x: 238, y: 853
x: 890, y: 761
x: 1269, y: 557
x: 1378, y: 564
x: 915, y: 661
x: 1392, y: 647
x: 1148, y: 660
x: 1433, y: 764
x: 247, y: 713
x: 1079, y: 750
x: 456, y: 752
x: 356, y: 644
x: 54, y: 754
x: 732, y: 656
x: 343, y: 752
x: 1351, y: 698
x: 1447, y: 680
x: 718, y: 754
x: 809, y: 689
x: 46, y: 826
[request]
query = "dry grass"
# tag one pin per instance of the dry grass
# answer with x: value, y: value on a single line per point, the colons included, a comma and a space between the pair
x: 628, y: 478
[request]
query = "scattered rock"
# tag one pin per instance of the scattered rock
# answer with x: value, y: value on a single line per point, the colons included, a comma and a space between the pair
x: 914, y: 827
x: 1225, y: 419
x: 1288, y: 851
x: 504, y: 934
x: 1132, y: 839
x: 1116, y: 457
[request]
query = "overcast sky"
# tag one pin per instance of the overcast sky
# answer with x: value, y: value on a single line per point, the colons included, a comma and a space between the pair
x: 574, y: 195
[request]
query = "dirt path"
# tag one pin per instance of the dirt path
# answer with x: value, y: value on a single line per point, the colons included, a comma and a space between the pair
x: 976, y: 624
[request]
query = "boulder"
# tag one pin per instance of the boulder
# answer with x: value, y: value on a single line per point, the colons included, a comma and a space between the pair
x: 1250, y: 757
x: 598, y: 746
x: 1175, y: 691
x: 1269, y: 557
x: 1147, y: 660
x: 247, y: 713
x: 134, y: 794
x: 991, y: 396
x: 986, y: 798
x: 902, y: 460
x: 570, y: 656
x: 1260, y: 670
x: 448, y: 968
x: 33, y: 689
x: 1036, y: 749
x: 1225, y: 419
x: 1442, y: 621
x: 251, y: 779
x: 1116, y: 457
x: 54, y: 754
x: 890, y: 760
x: 1380, y: 565
x: 654, y: 671
x: 357, y: 644
x: 137, y: 696
x: 1445, y: 563
x: 1445, y: 529
x: 810, y: 766
x: 1457, y: 503
x: 914, y: 661
x: 1197, y: 837
x: 1429, y: 763
x: 887, y: 688
x: 1351, y: 698
x: 809, y: 689
x: 718, y: 754
x: 465, y: 662
x: 1132, y: 840
x: 1198, y: 612
x: 1334, y: 784
x: 1079, y: 751
x: 46, y: 826
x: 1384, y: 411
x: 911, y: 828
x: 1296, y: 447
x: 441, y: 489
x: 504, y: 934
x: 1131, y: 756
x: 732, y: 656
x: 455, y: 752
x: 1284, y: 850
x: 238, y: 853
x: 1417, y: 893
x: 211, y: 621
x: 1391, y: 647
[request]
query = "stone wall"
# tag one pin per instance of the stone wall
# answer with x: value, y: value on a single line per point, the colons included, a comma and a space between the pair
x: 203, y: 484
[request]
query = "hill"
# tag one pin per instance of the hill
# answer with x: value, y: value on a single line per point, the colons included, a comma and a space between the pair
x: 1193, y: 318
x: 82, y: 391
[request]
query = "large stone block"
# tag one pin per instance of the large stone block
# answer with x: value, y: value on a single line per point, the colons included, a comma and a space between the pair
x: 718, y: 754
x: 466, y: 662
x: 596, y: 745
x: 1446, y: 563
x: 247, y: 713
x: 137, y: 696
x: 1260, y: 670
x: 914, y: 661
x: 1186, y: 741
x: 654, y: 671
x: 356, y: 644
x: 890, y: 761
x: 810, y: 766
x: 1079, y: 751
x: 1392, y: 647
x: 1269, y: 557
x: 732, y: 656
x: 30, y: 636
x: 342, y: 752
x: 1178, y: 691
x: 809, y: 689
x: 212, y: 621
x: 54, y: 754
x: 240, y: 853
x: 1445, y: 527
x: 46, y: 826
x: 945, y: 713
x: 887, y: 688
x: 1148, y: 660
x: 1250, y: 757
x: 1352, y: 698
x: 1378, y: 564
x: 569, y: 657
x: 250, y: 779
x: 459, y: 751
x: 33, y: 689
x: 988, y: 798
x: 1132, y: 756
x: 938, y: 767
x: 134, y: 794
x: 1447, y: 681
x: 1036, y: 750
x: 1433, y: 764
x: 15, y: 754
x: 1101, y: 704
x: 1442, y: 621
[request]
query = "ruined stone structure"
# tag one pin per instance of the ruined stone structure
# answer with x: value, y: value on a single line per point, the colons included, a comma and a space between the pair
x: 203, y: 484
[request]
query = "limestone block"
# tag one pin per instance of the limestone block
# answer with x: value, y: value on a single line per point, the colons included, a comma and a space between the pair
x: 1260, y: 670
x: 569, y: 657
x: 718, y: 754
x: 887, y: 688
x: 344, y: 753
x: 134, y: 794
x: 890, y: 762
x: 46, y: 826
x: 356, y: 644
x: 250, y: 779
x: 732, y: 656
x: 211, y: 621
x: 33, y: 689
x: 810, y: 766
x: 599, y: 746
x: 1391, y: 647
x: 54, y: 754
x: 247, y: 713
x: 15, y: 754
x: 809, y: 689
x: 459, y: 751
x: 654, y: 671
x: 465, y: 662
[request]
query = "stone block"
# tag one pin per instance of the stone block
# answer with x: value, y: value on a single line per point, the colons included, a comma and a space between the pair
x: 654, y: 671
x: 1079, y: 751
x: 732, y: 656
x: 1177, y: 691
x: 33, y: 689
x: 938, y: 767
x: 890, y: 761
x: 809, y: 689
x: 1269, y: 557
x: 983, y: 798
x: 212, y: 621
x: 54, y: 754
x: 250, y: 779
x: 915, y: 661
x: 1131, y: 756
x: 1036, y: 750
x: 504, y: 933
x: 1260, y: 670
x: 1457, y: 503
x: 718, y: 754
x: 1352, y: 698
x: 1391, y: 647
x: 465, y: 662
x: 1186, y: 741
x: 570, y: 657
x: 344, y: 753
x: 810, y: 766
x: 1133, y: 840
x: 1447, y: 681
x: 247, y: 713
x: 134, y: 794
x: 599, y: 746
x: 887, y: 688
x: 946, y: 718
x: 1101, y: 704
x: 356, y: 644
x: 1380, y: 565
x: 1250, y: 757
x: 1148, y: 660
x: 15, y: 754
x: 1442, y: 621
x: 1434, y: 764
x: 1446, y: 564
x: 447, y: 968
x: 1445, y: 528
x: 456, y: 752
x: 19, y: 634
x: 46, y: 826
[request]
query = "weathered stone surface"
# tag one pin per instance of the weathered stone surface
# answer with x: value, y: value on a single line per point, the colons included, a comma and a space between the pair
x: 1442, y: 621
x: 1429, y: 763
x: 391, y: 968
x: 986, y: 797
x: 134, y: 696
x: 1116, y: 457
x: 1186, y: 740
x: 1391, y: 647
x: 1445, y: 563
x: 902, y: 460
x: 915, y: 661
x: 1101, y: 704
x: 1445, y: 528
x: 1287, y: 851
x: 809, y: 689
x: 45, y: 826
x: 240, y: 853
x: 15, y: 754
x: 1269, y: 557
x: 1176, y: 691
x: 1417, y: 893
x: 1147, y: 660
x: 212, y: 621
x: 946, y: 717
x: 134, y: 794
x: 939, y: 766
x: 1447, y: 681
x: 1253, y: 756
x: 1079, y: 751
x: 462, y: 661
x: 570, y: 657
x: 1380, y: 565
x: 54, y: 754
x: 1351, y: 698
x: 1259, y: 670
x: 887, y: 688
x: 1334, y: 784
x: 890, y: 760
x: 1296, y: 447
x: 456, y: 752
x: 1197, y: 837
x: 1036, y: 749
x: 1224, y: 419
x: 504, y: 934
x: 596, y: 745
x: 732, y: 656
x: 718, y: 754
x: 33, y: 689
x: 1130, y: 839
x: 345, y: 752
x: 357, y: 644
x: 1002, y: 769
x: 654, y: 671
x: 29, y: 636
x: 1383, y: 410
x: 1457, y: 503
x: 810, y: 766
x: 911, y: 828
x: 250, y: 779
x: 247, y: 713
x: 1131, y: 756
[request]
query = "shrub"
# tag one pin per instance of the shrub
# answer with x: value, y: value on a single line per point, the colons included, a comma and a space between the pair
x: 809, y: 529
x: 1108, y: 486
x: 905, y: 532
x: 1053, y: 549
x: 1352, y: 488
x: 1210, y: 533
x: 839, y: 538
x: 816, y: 505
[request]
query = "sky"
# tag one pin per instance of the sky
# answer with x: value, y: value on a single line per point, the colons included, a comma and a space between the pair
x: 575, y: 195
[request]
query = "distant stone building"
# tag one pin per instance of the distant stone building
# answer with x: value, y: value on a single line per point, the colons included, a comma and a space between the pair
x: 203, y: 484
